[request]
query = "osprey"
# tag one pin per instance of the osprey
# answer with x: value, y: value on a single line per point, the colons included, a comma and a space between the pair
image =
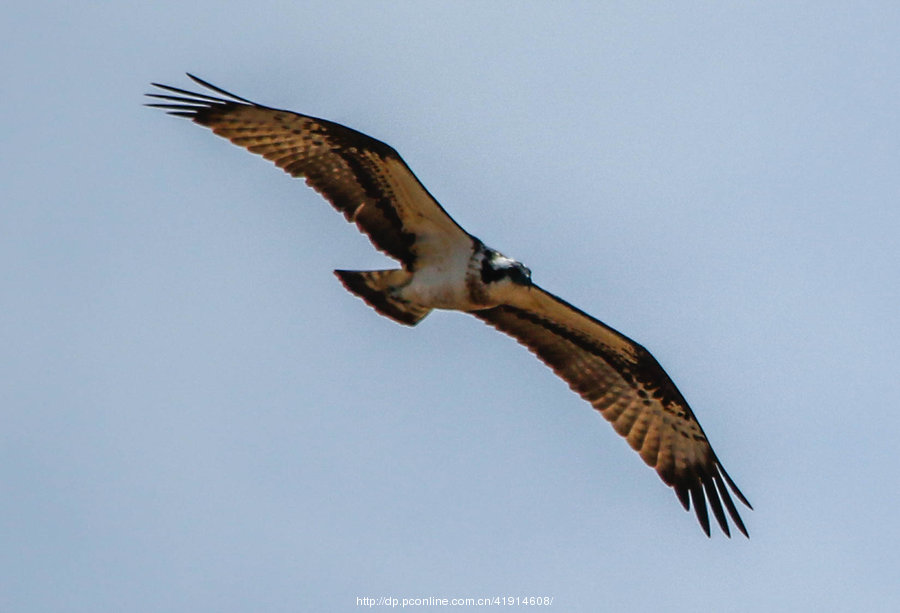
x: 445, y: 267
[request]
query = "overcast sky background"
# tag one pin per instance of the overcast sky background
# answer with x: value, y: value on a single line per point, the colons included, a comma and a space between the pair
x: 195, y: 415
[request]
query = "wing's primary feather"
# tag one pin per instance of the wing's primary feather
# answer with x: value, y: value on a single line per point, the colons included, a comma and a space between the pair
x: 631, y: 390
x: 363, y: 178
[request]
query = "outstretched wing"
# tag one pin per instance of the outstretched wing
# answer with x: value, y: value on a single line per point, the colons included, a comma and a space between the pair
x: 630, y: 389
x: 363, y: 178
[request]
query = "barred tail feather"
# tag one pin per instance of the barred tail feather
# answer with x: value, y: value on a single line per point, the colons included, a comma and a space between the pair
x: 374, y: 286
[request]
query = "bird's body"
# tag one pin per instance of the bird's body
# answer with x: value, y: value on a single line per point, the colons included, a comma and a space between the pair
x: 445, y: 267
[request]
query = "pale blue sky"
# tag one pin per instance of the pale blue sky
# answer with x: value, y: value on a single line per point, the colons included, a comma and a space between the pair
x: 196, y: 415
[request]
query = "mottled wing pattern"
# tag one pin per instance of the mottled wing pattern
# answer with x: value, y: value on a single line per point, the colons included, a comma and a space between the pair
x: 631, y: 390
x: 363, y: 178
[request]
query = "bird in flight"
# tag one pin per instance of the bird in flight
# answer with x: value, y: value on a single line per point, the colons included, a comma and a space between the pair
x: 444, y: 267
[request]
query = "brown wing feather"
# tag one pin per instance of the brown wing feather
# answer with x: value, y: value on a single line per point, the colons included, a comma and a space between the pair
x: 631, y: 390
x: 363, y: 178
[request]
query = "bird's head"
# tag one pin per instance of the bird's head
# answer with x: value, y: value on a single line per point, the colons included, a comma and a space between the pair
x: 496, y: 267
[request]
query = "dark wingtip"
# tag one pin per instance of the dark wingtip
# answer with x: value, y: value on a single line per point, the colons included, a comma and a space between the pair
x: 699, y: 500
x: 219, y: 90
x: 716, y: 504
x: 711, y: 490
x: 729, y: 504
x: 683, y: 498
x: 734, y: 488
x: 191, y: 105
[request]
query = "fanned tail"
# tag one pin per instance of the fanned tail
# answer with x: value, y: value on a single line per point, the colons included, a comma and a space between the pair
x: 375, y: 287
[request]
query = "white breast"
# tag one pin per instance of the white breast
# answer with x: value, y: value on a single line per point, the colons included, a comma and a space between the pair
x: 440, y: 283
